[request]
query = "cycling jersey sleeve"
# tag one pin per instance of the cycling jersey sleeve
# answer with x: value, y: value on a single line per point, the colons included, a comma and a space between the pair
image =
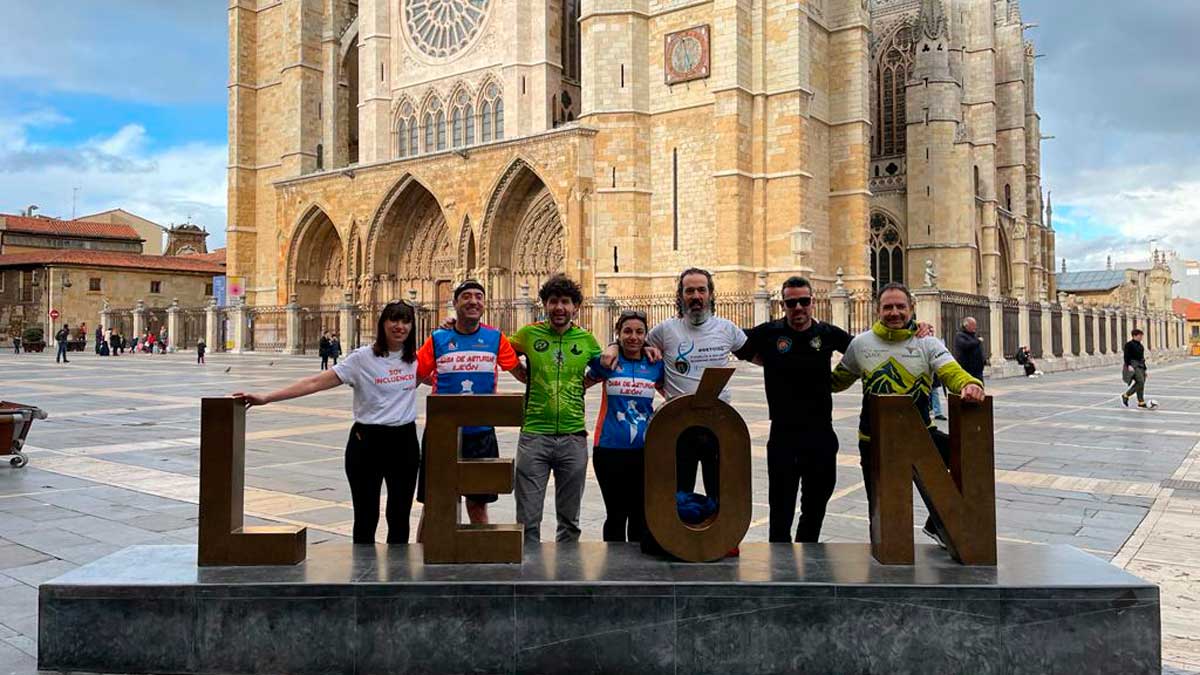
x: 848, y: 371
x: 506, y: 356
x: 426, y: 360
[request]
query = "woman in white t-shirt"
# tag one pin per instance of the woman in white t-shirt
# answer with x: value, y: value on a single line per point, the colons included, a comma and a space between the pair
x: 383, y: 444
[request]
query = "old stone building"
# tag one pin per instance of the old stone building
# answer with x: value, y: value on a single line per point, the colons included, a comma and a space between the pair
x: 385, y: 145
x: 955, y: 149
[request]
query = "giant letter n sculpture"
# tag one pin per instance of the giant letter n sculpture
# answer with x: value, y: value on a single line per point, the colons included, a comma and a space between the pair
x: 447, y: 477
x: 224, y: 540
x: 711, y: 540
x: 963, y: 494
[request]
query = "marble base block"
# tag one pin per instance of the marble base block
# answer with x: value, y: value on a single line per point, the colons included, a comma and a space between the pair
x: 599, y: 608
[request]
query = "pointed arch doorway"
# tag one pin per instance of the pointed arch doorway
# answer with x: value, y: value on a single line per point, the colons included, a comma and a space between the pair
x: 523, y: 240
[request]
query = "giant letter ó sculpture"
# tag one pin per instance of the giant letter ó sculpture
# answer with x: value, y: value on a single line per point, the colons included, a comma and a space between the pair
x: 713, y: 539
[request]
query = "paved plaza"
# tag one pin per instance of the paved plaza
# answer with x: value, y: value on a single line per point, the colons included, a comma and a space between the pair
x: 116, y: 464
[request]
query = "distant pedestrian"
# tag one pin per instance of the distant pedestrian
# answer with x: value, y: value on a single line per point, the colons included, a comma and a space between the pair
x: 162, y: 340
x: 968, y: 349
x: 200, y: 349
x: 1134, y: 370
x: 17, y: 344
x: 335, y: 348
x: 99, y: 339
x: 323, y: 346
x: 1026, y: 360
x: 62, y: 337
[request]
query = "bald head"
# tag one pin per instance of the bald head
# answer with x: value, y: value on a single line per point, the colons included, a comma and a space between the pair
x: 968, y: 324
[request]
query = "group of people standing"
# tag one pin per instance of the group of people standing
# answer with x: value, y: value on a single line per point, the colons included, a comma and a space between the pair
x: 329, y: 347
x: 558, y: 360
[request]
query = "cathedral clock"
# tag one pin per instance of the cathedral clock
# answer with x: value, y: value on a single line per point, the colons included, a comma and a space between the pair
x: 686, y: 55
x: 443, y: 28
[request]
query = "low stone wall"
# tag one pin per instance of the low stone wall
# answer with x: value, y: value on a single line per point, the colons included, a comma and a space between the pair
x: 1082, y: 362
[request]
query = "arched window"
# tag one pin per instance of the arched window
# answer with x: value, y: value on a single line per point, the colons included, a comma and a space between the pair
x: 428, y: 132
x: 406, y: 132
x: 491, y: 113
x: 887, y: 250
x: 569, y: 40
x: 1008, y: 196
x: 435, y: 126
x: 891, y: 77
x: 463, y: 120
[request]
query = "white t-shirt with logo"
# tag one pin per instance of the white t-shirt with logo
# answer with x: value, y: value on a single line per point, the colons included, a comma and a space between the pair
x: 385, y: 387
x: 687, y: 350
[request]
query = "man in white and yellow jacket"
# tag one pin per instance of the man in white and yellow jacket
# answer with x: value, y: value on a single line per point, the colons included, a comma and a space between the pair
x: 891, y: 359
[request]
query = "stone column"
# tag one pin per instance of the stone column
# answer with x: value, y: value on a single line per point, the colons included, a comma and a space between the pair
x: 139, y: 318
x: 173, y: 332
x: 1047, y: 334
x: 212, y: 329
x: 347, y: 326
x: 291, y: 344
x: 929, y: 307
x: 602, y: 314
x: 524, y: 306
x: 839, y: 301
x: 236, y: 313
x: 762, y: 301
x: 105, y: 317
x: 1023, y: 325
x: 1067, y: 341
x: 996, y: 339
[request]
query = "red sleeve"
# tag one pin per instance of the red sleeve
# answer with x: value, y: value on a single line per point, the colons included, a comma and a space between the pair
x: 426, y: 362
x: 506, y: 356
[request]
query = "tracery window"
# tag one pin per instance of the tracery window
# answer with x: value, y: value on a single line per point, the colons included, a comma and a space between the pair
x: 406, y: 132
x: 491, y: 114
x: 891, y: 77
x: 435, y: 126
x: 442, y: 28
x: 887, y: 251
x: 463, y: 121
x: 570, y: 40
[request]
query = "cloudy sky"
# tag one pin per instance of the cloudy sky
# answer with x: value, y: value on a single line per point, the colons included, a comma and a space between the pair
x: 125, y: 100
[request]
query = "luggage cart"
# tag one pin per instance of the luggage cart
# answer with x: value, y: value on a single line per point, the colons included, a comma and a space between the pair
x: 15, y: 421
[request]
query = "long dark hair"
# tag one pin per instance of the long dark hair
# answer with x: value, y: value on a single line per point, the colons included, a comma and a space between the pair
x: 396, y: 311
x: 712, y: 291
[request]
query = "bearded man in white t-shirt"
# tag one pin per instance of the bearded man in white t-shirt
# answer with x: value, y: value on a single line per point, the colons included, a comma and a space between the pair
x: 689, y: 343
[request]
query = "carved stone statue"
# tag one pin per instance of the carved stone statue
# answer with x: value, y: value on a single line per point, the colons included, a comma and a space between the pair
x: 930, y: 275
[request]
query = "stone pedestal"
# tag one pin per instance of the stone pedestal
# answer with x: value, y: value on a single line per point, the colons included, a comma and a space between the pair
x: 212, y: 327
x: 174, y: 334
x: 593, y: 607
x: 347, y: 326
x: 139, y: 320
x: 996, y: 338
x: 237, y: 326
x: 929, y: 308
x: 839, y: 301
x: 292, y: 321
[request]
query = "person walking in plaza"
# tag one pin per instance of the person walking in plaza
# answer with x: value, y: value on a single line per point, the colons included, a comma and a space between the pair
x: 968, y: 349
x: 795, y: 354
x: 891, y: 359
x: 1134, y: 370
x: 626, y: 404
x: 16, y: 340
x: 323, y: 349
x: 382, y: 447
x: 200, y: 349
x: 465, y: 358
x: 99, y: 339
x: 553, y: 438
x: 61, y: 337
x: 335, y: 348
x: 162, y: 340
x: 694, y: 340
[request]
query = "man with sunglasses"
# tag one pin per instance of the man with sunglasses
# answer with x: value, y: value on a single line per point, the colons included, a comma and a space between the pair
x: 795, y: 354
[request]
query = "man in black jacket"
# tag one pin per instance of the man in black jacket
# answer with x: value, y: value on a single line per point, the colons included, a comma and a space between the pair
x: 968, y: 349
x: 1134, y: 372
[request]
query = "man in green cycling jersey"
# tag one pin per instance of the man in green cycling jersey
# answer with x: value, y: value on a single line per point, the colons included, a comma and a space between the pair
x: 891, y: 359
x: 553, y: 438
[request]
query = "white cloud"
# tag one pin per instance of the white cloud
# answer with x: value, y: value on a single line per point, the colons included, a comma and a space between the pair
x: 166, y: 185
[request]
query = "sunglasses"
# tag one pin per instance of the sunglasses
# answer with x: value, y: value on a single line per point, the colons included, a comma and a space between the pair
x: 791, y: 303
x: 633, y: 314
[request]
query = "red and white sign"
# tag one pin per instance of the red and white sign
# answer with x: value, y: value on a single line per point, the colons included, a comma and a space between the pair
x: 54, y: 314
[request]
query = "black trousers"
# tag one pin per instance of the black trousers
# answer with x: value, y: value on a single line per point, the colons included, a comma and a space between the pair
x: 375, y: 455
x: 621, y: 474
x: 697, y: 446
x: 805, y: 459
x: 940, y: 440
x: 324, y: 362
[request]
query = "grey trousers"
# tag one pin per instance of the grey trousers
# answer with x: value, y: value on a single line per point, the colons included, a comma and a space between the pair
x: 1136, y: 379
x: 537, y: 455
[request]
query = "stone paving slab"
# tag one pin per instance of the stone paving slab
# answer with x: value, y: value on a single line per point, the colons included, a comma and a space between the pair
x: 1074, y: 466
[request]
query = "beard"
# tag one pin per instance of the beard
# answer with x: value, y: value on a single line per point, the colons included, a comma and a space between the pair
x: 698, y: 315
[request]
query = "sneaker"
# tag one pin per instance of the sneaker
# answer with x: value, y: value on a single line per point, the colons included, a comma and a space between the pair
x: 939, y: 416
x: 1143, y: 406
x: 1125, y: 399
x: 932, y: 534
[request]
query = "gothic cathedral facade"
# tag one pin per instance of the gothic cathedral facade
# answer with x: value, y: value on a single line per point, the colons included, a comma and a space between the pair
x: 385, y: 147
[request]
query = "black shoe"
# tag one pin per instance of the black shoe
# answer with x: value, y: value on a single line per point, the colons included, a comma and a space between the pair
x: 939, y: 416
x: 932, y: 534
x: 1125, y: 399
